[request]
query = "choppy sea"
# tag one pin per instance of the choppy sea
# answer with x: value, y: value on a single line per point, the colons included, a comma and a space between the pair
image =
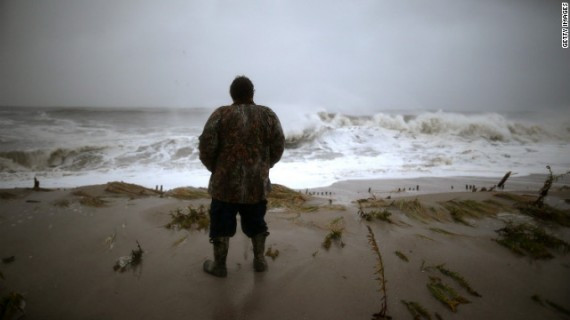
x: 66, y: 147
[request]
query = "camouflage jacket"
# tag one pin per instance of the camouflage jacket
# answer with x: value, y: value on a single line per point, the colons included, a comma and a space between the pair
x: 239, y: 144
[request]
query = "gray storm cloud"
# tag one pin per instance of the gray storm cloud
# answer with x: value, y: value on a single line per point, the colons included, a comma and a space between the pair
x: 338, y: 55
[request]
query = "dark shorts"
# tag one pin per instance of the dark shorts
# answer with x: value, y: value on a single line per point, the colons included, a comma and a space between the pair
x: 223, y: 222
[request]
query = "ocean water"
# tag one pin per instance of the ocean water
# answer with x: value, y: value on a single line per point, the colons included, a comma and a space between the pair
x: 66, y: 147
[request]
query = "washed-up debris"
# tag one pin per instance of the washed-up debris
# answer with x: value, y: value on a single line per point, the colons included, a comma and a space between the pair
x: 131, y: 261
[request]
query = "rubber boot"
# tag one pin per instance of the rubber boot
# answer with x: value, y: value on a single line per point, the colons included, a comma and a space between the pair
x: 217, y: 267
x: 258, y: 241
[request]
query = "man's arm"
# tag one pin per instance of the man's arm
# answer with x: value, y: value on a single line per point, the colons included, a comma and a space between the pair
x: 209, y: 141
x: 277, y: 139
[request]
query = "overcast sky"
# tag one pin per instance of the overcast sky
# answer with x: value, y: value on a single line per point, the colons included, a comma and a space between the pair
x: 352, y: 55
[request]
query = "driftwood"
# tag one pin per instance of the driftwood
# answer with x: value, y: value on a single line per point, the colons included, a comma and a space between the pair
x: 501, y: 184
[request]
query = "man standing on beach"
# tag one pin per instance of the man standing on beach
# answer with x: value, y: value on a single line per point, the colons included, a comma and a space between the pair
x: 239, y: 144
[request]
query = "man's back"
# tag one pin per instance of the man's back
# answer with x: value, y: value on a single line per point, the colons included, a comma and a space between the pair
x: 239, y: 145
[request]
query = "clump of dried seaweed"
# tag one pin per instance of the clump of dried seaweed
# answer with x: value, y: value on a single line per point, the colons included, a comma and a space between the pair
x: 402, y: 256
x: 526, y: 239
x: 131, y: 261
x: 458, y: 279
x: 445, y: 294
x: 273, y: 254
x: 186, y: 219
x: 379, y: 271
x: 336, y: 228
x: 417, y: 310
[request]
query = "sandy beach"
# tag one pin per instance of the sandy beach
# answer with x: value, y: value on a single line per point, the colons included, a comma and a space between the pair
x: 59, y: 247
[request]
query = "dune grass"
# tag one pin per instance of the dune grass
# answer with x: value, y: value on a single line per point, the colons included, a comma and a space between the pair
x: 383, y: 215
x: 129, y: 189
x: 336, y: 228
x: 461, y: 210
x: 526, y: 239
x: 187, y: 193
x: 89, y: 200
x: 417, y: 311
x: 283, y: 197
x: 445, y: 294
x: 458, y: 279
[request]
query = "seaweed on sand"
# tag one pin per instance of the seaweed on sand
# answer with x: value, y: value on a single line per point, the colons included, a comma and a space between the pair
x: 458, y: 279
x: 379, y: 270
x: 336, y: 228
x: 417, y: 310
x: 193, y: 217
x: 526, y: 239
x: 445, y: 294
x: 131, y: 261
x: 273, y: 254
x: 401, y: 256
x: 442, y: 231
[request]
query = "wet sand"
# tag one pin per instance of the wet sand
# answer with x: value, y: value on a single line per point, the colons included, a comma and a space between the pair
x: 64, y: 257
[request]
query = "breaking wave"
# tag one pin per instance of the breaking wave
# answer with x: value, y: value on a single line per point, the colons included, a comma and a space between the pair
x: 490, y: 127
